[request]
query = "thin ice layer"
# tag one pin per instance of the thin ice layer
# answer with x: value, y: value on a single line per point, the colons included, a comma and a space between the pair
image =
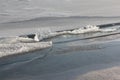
x: 87, y: 29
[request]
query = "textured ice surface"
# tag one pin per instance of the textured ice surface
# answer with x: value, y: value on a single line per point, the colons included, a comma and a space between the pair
x: 19, y: 45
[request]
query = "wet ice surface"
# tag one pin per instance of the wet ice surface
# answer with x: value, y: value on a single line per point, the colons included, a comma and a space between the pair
x: 68, y: 61
x: 71, y: 57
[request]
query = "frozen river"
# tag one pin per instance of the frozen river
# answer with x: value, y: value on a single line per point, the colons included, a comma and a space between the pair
x: 71, y: 44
